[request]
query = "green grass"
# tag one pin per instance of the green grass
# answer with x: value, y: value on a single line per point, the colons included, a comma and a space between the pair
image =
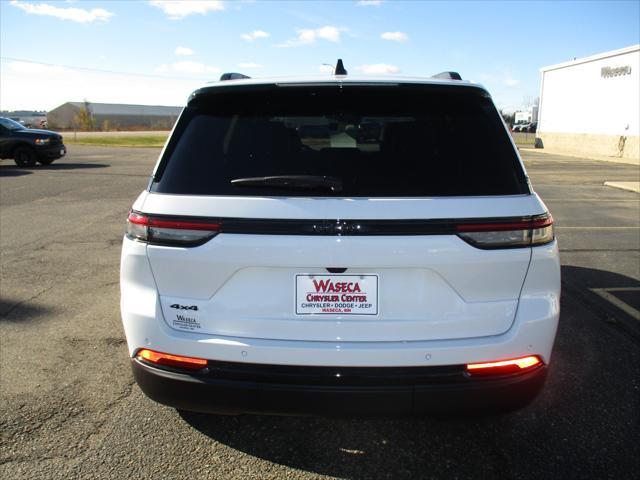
x: 524, y: 139
x: 119, y: 141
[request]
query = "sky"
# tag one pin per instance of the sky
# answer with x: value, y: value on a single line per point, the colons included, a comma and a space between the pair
x: 157, y: 52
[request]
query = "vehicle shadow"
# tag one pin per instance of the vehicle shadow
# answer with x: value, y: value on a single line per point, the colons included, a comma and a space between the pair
x: 14, y: 170
x: 72, y: 166
x: 519, y: 444
x: 388, y: 447
x: 591, y: 278
x: 16, y: 311
x: 613, y: 297
x: 8, y: 171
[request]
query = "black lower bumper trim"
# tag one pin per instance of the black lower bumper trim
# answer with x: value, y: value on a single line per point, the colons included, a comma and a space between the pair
x: 202, y: 393
x: 52, y: 151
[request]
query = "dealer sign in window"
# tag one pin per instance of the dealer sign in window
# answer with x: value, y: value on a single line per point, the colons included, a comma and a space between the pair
x: 336, y: 294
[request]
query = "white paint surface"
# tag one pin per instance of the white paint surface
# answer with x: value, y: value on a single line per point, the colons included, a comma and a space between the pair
x: 576, y: 98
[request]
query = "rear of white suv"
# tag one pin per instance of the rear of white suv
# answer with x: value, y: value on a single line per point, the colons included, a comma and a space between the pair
x: 341, y: 246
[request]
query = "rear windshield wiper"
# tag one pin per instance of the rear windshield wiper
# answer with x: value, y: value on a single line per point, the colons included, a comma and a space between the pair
x: 310, y: 182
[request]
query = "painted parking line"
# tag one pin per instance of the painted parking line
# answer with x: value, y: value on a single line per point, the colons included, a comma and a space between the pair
x: 628, y: 186
x: 625, y: 307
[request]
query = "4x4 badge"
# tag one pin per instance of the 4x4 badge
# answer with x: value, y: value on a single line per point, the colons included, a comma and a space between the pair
x: 184, y: 307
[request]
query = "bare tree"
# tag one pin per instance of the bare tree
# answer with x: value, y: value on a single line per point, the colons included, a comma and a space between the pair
x: 529, y: 101
x: 509, y: 118
x: 84, y: 119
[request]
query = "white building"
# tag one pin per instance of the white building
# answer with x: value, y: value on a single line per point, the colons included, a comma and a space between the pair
x: 522, y: 116
x: 526, y: 116
x: 592, y: 105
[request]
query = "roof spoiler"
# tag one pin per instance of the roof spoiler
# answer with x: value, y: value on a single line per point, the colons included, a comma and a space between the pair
x: 232, y: 76
x: 447, y: 76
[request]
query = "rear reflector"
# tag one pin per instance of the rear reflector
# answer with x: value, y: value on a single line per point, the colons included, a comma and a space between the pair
x: 168, y: 360
x: 167, y: 231
x: 508, y: 234
x: 502, y: 367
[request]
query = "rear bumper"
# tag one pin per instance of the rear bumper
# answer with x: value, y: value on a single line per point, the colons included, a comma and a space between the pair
x: 317, y: 391
x: 532, y: 333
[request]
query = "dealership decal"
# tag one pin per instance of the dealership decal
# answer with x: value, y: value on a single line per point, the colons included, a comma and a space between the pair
x: 183, y: 317
x: 185, y: 322
x: 337, y: 294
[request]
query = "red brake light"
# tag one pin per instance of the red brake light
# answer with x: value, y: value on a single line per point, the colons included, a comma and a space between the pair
x: 169, y: 231
x: 168, y: 360
x: 504, y: 366
x: 182, y: 225
x: 508, y: 234
x: 494, y: 227
x: 137, y: 218
x: 545, y: 221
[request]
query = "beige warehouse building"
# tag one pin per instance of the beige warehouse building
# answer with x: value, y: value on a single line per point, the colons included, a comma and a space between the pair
x: 152, y: 117
x: 591, y: 106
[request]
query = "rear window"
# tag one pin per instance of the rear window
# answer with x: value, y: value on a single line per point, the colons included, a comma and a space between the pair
x: 379, y: 141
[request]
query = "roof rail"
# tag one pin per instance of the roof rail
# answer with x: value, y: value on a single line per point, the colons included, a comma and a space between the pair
x: 232, y: 76
x: 447, y: 76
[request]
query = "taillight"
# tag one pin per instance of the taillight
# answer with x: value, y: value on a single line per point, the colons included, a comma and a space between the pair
x: 525, y: 233
x: 169, y: 360
x: 169, y: 231
x: 503, y: 367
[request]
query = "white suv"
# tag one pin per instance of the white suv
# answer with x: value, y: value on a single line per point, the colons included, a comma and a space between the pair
x: 340, y: 245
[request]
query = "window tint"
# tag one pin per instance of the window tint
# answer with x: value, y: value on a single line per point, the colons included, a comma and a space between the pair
x: 378, y: 141
x: 11, y: 124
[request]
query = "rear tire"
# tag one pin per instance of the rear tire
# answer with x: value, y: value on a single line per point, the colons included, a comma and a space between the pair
x: 46, y: 161
x: 24, y: 157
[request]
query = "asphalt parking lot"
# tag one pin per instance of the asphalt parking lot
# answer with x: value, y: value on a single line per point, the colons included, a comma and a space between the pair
x: 70, y: 408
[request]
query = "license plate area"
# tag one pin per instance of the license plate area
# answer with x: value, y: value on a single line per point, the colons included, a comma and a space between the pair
x: 336, y: 294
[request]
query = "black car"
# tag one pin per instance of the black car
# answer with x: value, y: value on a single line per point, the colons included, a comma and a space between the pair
x: 27, y: 146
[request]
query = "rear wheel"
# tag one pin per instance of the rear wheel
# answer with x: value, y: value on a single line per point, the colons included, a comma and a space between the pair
x: 24, y: 157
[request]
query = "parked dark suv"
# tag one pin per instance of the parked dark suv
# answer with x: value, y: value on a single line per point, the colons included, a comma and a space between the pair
x: 27, y: 146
